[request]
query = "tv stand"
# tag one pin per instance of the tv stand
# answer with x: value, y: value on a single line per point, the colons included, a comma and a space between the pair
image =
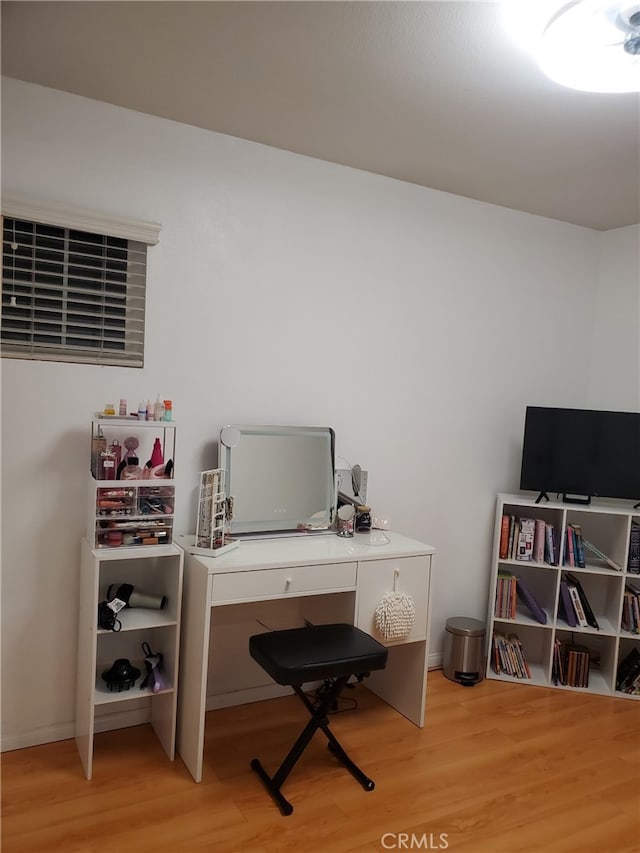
x: 610, y: 529
x: 576, y: 499
x: 541, y: 496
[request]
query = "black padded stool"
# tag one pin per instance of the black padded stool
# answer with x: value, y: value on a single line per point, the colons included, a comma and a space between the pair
x: 329, y: 653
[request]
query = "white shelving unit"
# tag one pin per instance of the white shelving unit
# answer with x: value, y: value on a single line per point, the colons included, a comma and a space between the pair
x: 155, y: 570
x: 152, y: 569
x: 608, y: 527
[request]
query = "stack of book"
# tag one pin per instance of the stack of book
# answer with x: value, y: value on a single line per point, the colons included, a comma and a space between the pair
x: 510, y: 586
x: 570, y: 664
x: 573, y: 604
x: 506, y: 596
x: 628, y: 675
x: 631, y: 608
x: 508, y: 656
x: 528, y: 540
x: 574, y: 547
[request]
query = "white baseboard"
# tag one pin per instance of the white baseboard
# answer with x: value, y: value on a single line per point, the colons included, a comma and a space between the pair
x: 434, y: 661
x: 244, y: 697
x: 124, y: 719
x: 36, y: 737
x: 66, y: 731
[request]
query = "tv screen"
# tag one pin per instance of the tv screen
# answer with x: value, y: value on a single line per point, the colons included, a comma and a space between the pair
x: 581, y: 452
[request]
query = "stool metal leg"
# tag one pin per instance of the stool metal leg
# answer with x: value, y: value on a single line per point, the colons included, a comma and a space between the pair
x: 318, y: 720
x: 338, y: 751
x: 283, y: 804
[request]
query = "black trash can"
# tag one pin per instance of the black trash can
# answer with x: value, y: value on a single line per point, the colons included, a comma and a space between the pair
x: 464, y: 653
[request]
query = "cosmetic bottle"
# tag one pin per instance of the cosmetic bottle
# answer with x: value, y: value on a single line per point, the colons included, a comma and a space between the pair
x: 142, y: 411
x: 107, y: 465
x: 99, y: 444
x: 116, y: 449
x: 156, y: 454
x: 149, y: 410
x: 131, y: 470
x: 158, y: 410
x: 122, y: 410
x: 168, y: 410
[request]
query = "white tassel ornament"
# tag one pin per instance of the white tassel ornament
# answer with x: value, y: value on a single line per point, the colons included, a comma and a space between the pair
x: 395, y: 614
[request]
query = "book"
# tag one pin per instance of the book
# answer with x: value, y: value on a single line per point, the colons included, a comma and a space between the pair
x: 521, y: 661
x: 584, y: 601
x: 538, y: 542
x: 574, y: 595
x: 531, y: 603
x: 628, y: 670
x: 550, y: 554
x: 526, y: 535
x: 631, y: 608
x: 633, y: 559
x: 569, y: 556
x: 509, y: 657
x: 504, y: 537
x: 512, y: 530
x: 505, y: 607
x: 575, y: 660
x: 611, y: 563
x: 558, y: 670
x: 631, y: 611
x: 565, y: 606
x: 579, y: 545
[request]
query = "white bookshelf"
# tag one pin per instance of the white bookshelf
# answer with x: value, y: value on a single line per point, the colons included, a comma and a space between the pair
x: 608, y: 526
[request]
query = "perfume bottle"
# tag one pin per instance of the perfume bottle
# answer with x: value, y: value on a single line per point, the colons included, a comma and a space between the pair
x: 116, y: 449
x: 98, y: 445
x: 107, y: 465
x: 130, y: 470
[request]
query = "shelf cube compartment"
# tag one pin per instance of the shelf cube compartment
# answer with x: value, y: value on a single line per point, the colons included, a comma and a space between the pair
x: 536, y: 645
x: 602, y: 653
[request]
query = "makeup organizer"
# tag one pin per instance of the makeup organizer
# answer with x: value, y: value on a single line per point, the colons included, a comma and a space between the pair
x: 131, y: 485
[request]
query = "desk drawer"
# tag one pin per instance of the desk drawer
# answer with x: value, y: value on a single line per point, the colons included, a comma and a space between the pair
x: 404, y: 574
x: 281, y: 583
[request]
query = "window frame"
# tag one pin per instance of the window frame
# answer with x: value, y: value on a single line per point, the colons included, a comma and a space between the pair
x: 139, y: 235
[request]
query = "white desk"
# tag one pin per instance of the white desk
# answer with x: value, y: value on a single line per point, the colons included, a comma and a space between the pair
x: 282, y: 582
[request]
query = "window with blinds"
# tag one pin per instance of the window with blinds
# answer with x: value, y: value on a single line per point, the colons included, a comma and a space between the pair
x: 72, y: 295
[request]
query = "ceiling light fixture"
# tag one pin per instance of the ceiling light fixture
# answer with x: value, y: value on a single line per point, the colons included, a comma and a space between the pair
x: 590, y: 45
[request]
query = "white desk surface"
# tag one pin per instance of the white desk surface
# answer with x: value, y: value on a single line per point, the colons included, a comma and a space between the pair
x: 310, y: 550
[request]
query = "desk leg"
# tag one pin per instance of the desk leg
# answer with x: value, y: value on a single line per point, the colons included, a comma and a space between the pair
x: 403, y: 683
x: 194, y: 664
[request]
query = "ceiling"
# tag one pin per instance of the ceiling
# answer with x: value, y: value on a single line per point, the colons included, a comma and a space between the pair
x: 429, y: 92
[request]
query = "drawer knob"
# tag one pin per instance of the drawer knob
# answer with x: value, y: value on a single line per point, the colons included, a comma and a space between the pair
x: 288, y: 582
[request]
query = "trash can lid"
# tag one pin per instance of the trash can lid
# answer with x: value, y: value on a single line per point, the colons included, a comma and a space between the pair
x: 466, y: 626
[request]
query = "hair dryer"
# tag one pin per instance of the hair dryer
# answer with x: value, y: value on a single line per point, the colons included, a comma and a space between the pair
x: 132, y: 598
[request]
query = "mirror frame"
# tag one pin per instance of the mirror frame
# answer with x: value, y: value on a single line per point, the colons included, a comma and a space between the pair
x: 266, y: 521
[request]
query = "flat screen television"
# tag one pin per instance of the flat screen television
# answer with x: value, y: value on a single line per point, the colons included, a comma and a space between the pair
x: 581, y: 453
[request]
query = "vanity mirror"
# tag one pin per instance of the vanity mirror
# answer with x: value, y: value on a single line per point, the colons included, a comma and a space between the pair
x: 281, y: 478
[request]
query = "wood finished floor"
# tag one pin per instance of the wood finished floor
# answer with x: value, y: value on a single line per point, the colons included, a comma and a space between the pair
x: 498, y: 767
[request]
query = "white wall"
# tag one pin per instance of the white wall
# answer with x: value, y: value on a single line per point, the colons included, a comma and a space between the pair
x: 614, y: 375
x: 283, y: 290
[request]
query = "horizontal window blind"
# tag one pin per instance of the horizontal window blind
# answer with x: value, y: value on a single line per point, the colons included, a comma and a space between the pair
x: 72, y: 295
